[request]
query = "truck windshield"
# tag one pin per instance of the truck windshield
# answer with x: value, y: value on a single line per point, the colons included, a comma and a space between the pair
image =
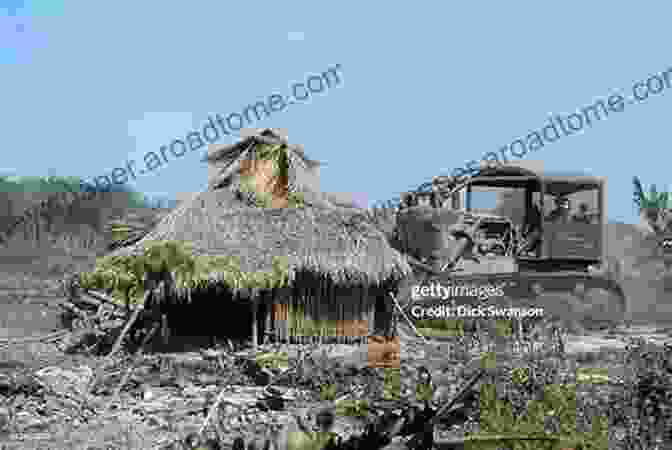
x: 580, y: 205
x: 503, y: 201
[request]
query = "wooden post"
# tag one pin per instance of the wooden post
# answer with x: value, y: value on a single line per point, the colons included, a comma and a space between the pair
x: 254, y: 298
x: 341, y: 330
x: 268, y: 304
x: 36, y: 220
x: 26, y: 227
x: 165, y: 330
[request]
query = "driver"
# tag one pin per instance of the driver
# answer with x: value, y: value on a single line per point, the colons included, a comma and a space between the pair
x: 406, y: 200
x: 561, y: 212
x: 582, y: 215
x: 424, y: 200
x: 532, y: 230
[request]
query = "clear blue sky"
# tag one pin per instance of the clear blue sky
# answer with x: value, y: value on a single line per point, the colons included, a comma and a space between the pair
x: 88, y: 85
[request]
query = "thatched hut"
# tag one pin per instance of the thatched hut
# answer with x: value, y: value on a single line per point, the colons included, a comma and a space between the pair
x: 341, y: 265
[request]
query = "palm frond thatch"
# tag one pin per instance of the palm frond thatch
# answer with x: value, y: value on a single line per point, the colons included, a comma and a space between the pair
x: 384, y: 218
x: 343, y: 245
x: 268, y: 136
x: 225, y: 160
x: 131, y: 226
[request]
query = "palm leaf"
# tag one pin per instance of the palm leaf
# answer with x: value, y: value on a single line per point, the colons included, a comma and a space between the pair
x: 639, y: 198
x: 653, y: 192
x: 663, y: 200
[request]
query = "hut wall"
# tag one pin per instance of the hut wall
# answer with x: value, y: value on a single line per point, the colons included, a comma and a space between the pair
x: 316, y: 310
x: 312, y: 311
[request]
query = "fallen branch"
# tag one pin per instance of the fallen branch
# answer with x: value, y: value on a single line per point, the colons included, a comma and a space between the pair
x: 138, y: 352
x: 96, y: 295
x: 212, y: 411
x: 428, y: 427
x: 73, y: 308
x: 459, y: 396
x: 110, y: 324
x: 119, y: 341
x: 95, y: 306
x: 403, y: 314
x: 127, y: 327
x: 45, y: 338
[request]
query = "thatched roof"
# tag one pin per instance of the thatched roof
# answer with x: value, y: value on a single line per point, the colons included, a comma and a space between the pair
x: 224, y: 160
x: 267, y: 135
x: 340, y: 243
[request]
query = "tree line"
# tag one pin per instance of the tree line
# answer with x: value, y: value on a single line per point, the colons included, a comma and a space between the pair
x: 43, y: 201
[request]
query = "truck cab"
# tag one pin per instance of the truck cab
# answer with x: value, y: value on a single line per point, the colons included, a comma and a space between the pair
x: 563, y: 212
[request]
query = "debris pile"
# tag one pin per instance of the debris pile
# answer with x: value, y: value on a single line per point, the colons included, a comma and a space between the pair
x: 93, y: 319
x: 206, y: 391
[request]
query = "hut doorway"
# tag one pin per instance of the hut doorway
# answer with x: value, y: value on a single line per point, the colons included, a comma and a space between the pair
x: 207, y: 321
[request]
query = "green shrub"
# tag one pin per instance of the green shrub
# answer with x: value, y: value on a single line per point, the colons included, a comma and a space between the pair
x: 273, y: 360
x: 352, y: 408
x: 452, y: 327
x: 392, y: 384
x: 556, y: 410
x: 328, y: 392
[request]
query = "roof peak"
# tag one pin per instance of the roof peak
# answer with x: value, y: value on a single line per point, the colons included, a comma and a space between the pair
x: 250, y: 137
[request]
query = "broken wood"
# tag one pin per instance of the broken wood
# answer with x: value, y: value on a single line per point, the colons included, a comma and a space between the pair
x: 44, y: 338
x: 212, y: 410
x: 138, y: 353
x: 73, y: 308
x: 90, y: 301
x: 101, y: 297
x: 428, y: 428
x: 119, y: 341
x: 127, y: 327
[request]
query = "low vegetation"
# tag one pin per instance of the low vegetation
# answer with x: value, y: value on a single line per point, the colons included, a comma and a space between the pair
x: 615, y: 399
